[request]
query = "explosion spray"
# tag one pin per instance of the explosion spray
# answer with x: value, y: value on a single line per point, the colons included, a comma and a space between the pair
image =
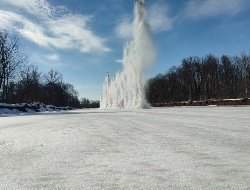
x: 127, y: 88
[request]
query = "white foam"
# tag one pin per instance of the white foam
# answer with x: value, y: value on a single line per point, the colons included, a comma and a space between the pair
x: 126, y: 89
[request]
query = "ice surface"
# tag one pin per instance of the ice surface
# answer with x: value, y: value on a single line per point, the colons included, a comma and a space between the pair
x: 168, y: 148
x: 126, y: 89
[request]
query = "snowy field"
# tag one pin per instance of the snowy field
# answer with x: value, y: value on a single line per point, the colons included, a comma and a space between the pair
x: 165, y: 148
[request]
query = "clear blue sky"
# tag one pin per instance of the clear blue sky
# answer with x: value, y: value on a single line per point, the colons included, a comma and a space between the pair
x: 83, y: 39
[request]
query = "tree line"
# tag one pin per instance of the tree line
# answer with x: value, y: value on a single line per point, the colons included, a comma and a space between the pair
x: 23, y: 83
x: 202, y: 78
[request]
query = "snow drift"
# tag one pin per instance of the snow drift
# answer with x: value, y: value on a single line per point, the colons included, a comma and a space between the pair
x: 14, y: 109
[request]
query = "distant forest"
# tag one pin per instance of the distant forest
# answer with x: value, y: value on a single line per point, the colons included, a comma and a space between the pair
x: 199, y: 79
x: 23, y: 83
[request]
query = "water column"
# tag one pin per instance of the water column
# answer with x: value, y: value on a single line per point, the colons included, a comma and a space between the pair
x: 126, y: 89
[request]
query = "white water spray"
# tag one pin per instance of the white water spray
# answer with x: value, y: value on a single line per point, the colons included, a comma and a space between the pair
x: 126, y: 89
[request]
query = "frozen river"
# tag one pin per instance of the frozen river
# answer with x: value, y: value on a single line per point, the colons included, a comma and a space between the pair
x: 167, y: 148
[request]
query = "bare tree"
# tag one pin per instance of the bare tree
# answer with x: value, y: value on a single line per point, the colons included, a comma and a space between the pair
x: 11, y: 57
x: 53, y: 77
x: 246, y: 72
x: 28, y: 88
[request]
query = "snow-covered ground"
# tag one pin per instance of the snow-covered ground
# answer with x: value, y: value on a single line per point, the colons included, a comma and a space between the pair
x: 165, y: 148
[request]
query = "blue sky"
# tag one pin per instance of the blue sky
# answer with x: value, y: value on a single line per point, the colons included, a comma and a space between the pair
x: 83, y: 39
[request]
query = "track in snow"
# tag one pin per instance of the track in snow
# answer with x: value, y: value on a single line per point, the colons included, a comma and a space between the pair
x: 168, y: 148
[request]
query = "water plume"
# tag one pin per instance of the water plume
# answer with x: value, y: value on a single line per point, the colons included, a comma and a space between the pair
x: 126, y: 89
